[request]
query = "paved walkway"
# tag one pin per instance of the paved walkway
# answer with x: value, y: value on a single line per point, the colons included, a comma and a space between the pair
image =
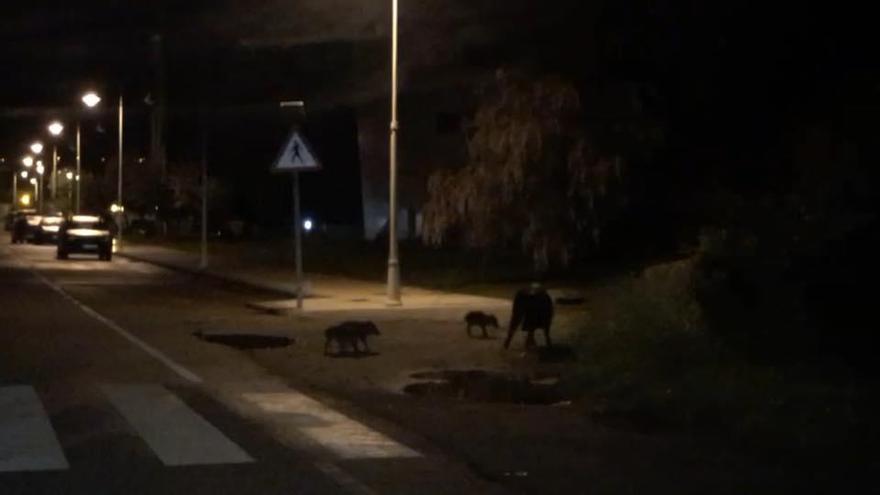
x: 324, y: 292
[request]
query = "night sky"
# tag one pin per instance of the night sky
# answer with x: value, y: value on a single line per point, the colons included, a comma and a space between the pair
x: 238, y: 59
x: 728, y: 80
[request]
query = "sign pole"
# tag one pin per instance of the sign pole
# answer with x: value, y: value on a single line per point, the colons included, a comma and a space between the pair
x: 296, y: 156
x: 297, y: 221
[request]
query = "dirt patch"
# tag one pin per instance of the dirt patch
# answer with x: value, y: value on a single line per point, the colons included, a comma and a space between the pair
x: 557, y: 353
x: 245, y: 341
x: 485, y: 386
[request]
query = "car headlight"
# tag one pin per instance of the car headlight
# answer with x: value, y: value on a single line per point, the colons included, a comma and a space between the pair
x: 51, y: 228
x: 87, y: 233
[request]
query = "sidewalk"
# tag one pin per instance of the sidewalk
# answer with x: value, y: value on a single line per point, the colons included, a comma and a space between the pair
x: 324, y: 293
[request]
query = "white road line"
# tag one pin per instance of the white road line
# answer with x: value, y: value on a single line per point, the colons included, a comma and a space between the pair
x: 338, y: 433
x: 176, y: 433
x: 152, y: 351
x: 27, y: 441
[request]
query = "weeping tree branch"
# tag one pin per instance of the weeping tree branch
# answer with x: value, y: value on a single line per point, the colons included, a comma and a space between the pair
x: 533, y: 178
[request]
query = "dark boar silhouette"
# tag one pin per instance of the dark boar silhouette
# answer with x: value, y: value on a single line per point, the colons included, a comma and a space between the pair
x: 348, y: 334
x: 533, y: 310
x: 480, y: 320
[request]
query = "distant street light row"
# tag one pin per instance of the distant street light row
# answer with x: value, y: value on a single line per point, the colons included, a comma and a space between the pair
x: 56, y: 128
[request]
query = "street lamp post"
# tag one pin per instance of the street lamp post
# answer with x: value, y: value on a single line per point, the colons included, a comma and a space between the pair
x: 393, y: 289
x: 35, y: 183
x: 55, y: 129
x: 24, y: 175
x: 121, y: 208
x: 40, y: 171
x: 78, y: 166
x: 69, y: 177
x: 37, y: 148
x: 90, y: 100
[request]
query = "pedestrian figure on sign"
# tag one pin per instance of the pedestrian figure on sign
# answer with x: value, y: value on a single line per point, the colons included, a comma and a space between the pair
x: 296, y: 153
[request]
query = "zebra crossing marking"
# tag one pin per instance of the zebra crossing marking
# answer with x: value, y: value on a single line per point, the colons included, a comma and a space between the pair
x: 345, y: 437
x: 175, y: 433
x: 27, y: 440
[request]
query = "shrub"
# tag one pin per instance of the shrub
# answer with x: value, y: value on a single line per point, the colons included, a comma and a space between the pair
x: 650, y: 340
x: 648, y: 358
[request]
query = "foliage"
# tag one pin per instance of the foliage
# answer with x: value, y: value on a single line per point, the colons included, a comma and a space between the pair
x: 649, y: 360
x: 534, y: 176
x: 653, y: 329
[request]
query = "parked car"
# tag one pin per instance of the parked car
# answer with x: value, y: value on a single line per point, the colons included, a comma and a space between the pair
x: 47, y: 231
x: 90, y: 234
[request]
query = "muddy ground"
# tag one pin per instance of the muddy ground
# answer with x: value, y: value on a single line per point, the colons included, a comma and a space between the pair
x: 503, y: 412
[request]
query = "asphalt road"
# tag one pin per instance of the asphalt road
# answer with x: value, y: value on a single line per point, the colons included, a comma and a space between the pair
x: 103, y: 389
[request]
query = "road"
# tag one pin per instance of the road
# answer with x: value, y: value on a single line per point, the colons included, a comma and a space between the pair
x: 103, y: 389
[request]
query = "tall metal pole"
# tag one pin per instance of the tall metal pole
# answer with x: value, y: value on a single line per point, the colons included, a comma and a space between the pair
x: 297, y: 229
x: 119, y: 183
x: 78, y: 165
x: 53, y: 182
x: 40, y: 183
x: 14, y: 189
x: 393, y: 295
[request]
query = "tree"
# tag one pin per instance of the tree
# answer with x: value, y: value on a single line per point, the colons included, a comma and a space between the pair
x: 534, y: 177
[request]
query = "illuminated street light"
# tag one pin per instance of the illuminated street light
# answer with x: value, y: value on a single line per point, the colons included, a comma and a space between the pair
x: 69, y: 175
x: 24, y: 174
x: 40, y: 168
x: 28, y: 161
x: 56, y: 128
x: 33, y: 181
x: 91, y: 99
x: 308, y: 225
x: 37, y: 148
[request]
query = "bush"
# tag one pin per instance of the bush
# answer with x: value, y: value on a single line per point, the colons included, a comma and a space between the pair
x: 649, y: 359
x: 636, y: 356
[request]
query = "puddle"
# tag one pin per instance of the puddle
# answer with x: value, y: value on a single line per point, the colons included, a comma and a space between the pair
x: 244, y: 341
x: 485, y: 386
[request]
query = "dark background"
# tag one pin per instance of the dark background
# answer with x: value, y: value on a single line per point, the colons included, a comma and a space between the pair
x: 737, y: 86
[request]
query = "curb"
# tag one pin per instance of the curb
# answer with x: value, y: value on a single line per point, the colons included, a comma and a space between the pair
x: 213, y: 275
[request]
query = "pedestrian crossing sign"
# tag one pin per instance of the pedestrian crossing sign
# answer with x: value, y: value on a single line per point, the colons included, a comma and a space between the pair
x: 296, y: 156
